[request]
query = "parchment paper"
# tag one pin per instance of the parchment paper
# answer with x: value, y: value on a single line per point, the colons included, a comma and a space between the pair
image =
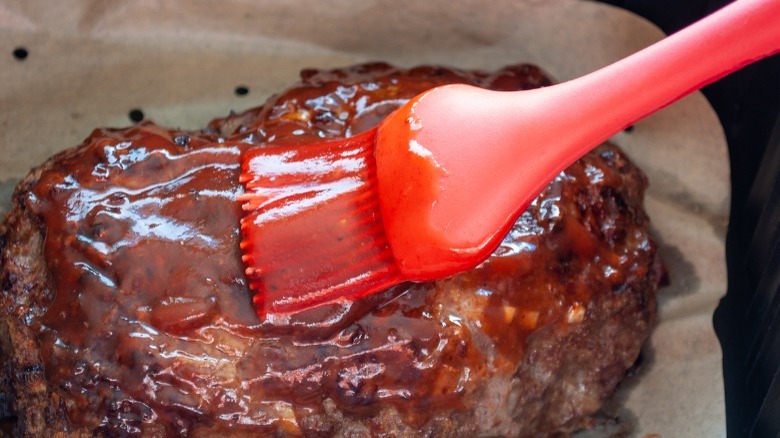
x: 90, y: 62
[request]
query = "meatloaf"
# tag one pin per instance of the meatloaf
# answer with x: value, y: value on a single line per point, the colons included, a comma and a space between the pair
x: 125, y: 311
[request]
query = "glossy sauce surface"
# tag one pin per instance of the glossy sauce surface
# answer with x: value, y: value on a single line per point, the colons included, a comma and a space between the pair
x: 153, y: 322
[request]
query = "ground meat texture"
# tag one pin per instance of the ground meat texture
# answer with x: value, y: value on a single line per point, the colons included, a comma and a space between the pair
x: 125, y: 311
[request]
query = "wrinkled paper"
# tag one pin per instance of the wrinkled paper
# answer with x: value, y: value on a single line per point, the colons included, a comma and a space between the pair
x: 89, y: 63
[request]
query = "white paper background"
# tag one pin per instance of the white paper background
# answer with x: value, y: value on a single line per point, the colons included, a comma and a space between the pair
x: 92, y: 61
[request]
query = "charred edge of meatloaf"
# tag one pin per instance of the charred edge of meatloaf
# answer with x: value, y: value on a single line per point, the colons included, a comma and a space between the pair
x: 27, y: 401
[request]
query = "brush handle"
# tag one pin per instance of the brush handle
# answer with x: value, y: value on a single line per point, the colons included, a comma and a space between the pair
x: 491, y: 153
x: 596, y: 106
x: 580, y: 114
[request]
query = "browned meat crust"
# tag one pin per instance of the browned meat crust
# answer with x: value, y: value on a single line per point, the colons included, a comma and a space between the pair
x: 157, y: 337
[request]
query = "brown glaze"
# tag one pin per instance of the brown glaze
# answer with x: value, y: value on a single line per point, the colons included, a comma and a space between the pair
x: 152, y: 321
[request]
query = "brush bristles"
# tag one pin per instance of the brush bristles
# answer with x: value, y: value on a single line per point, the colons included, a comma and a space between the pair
x: 313, y: 231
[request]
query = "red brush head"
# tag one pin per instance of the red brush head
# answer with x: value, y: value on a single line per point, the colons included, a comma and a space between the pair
x: 312, y: 231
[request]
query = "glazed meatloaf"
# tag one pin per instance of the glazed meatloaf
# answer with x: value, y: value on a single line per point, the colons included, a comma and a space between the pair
x: 125, y: 310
